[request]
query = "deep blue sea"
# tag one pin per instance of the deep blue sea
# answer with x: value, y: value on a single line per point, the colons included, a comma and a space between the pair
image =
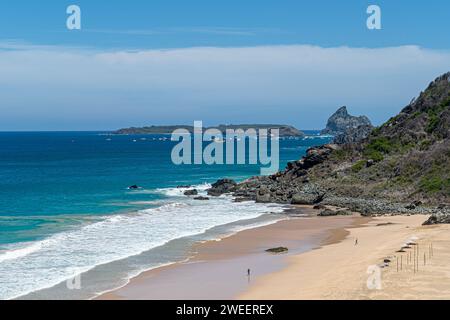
x: 65, y: 207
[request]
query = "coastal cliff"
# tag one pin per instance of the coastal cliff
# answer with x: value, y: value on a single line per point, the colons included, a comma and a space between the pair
x: 403, y: 166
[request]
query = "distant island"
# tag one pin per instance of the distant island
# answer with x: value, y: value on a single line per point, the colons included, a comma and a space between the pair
x: 285, y: 130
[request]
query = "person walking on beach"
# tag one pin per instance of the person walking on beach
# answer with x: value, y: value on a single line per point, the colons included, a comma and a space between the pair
x: 356, y: 241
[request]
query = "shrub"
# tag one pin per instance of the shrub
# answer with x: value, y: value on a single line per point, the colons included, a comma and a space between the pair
x: 381, y: 144
x: 339, y: 154
x: 416, y: 114
x: 424, y: 144
x: 358, y: 165
x: 433, y: 184
x: 375, y: 132
x: 434, y: 115
x: 433, y: 122
x: 376, y: 148
x: 374, y: 155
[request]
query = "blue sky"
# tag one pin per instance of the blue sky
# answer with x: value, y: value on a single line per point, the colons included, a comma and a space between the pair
x: 180, y: 23
x: 224, y: 61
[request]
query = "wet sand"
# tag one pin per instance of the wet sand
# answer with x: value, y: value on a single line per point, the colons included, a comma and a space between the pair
x: 324, y: 262
x: 218, y: 269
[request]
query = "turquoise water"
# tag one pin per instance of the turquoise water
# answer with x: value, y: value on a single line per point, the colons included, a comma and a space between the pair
x: 65, y: 195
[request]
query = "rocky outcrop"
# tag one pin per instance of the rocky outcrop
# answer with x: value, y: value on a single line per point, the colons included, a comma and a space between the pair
x: 341, y: 122
x: 303, y: 198
x: 222, y: 186
x: 353, y: 135
x: 329, y: 213
x: 288, y: 187
x: 438, y: 218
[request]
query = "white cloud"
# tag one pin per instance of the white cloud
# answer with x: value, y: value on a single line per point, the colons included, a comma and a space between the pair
x: 189, y: 30
x: 297, y: 84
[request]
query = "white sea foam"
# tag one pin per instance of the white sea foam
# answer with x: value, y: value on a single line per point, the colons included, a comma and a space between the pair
x: 45, y: 263
x: 175, y: 192
x: 22, y: 252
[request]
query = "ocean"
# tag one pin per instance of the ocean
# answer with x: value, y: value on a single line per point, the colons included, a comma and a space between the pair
x: 66, y: 210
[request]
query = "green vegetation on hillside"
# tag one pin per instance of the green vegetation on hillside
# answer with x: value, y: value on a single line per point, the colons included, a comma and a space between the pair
x: 434, y: 115
x: 377, y: 148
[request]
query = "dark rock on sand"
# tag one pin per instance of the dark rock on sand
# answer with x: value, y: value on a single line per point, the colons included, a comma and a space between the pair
x: 343, y: 213
x: 329, y: 213
x: 437, y: 218
x: 278, y: 250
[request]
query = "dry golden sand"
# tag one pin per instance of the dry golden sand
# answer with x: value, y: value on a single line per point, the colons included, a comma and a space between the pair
x: 339, y: 270
x: 336, y: 269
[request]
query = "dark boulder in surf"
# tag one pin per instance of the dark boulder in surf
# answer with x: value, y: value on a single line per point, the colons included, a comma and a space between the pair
x: 192, y: 192
x: 222, y: 186
x: 201, y: 198
x: 134, y: 187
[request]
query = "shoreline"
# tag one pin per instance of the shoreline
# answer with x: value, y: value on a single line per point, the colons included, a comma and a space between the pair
x: 324, y: 262
x: 229, y: 257
x: 283, y: 217
x: 116, y: 274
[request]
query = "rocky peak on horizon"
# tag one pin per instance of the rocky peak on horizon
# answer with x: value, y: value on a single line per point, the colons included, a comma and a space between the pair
x: 341, y: 122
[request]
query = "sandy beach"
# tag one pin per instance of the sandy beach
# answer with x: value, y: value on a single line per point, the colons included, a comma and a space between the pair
x: 340, y: 270
x: 324, y: 262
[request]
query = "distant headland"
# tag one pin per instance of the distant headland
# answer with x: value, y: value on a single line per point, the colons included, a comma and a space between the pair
x: 285, y: 130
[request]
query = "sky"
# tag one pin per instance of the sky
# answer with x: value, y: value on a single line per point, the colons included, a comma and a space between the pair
x: 138, y: 63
